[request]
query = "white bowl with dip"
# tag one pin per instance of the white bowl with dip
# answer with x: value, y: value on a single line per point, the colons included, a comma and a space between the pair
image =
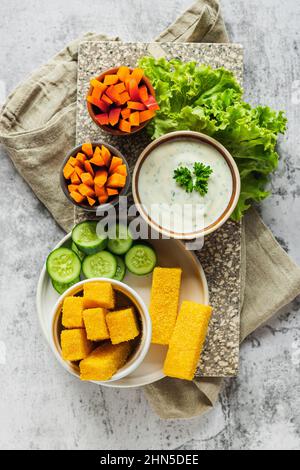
x: 166, y: 206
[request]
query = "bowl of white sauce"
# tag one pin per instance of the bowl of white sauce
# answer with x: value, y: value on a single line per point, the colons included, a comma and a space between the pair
x: 174, y: 197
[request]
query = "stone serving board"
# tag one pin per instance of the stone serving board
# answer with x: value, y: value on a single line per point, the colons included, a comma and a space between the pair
x: 221, y: 254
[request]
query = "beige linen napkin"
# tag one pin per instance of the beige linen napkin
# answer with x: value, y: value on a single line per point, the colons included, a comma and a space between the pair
x: 37, y: 127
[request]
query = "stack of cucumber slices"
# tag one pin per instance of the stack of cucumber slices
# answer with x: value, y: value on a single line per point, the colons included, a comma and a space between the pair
x: 91, y: 255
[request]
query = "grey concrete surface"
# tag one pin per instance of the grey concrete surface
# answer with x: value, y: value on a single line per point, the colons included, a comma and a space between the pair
x: 41, y: 406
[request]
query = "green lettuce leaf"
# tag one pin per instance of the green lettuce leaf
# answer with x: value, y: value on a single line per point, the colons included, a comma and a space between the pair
x: 199, y: 98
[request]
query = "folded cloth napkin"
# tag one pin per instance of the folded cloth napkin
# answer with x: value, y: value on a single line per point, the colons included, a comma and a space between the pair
x: 37, y: 127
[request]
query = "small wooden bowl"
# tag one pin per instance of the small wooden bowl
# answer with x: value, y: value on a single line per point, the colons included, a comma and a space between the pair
x: 109, y: 129
x: 113, y: 200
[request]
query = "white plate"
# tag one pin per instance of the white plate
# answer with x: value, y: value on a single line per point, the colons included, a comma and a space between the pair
x: 171, y: 253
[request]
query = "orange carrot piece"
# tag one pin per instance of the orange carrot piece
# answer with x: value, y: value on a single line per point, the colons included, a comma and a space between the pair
x: 136, y: 105
x: 78, y: 170
x: 100, y: 190
x: 87, y: 178
x: 81, y: 158
x: 116, y: 181
x: 100, y: 177
x: 121, y: 170
x: 124, y: 97
x: 137, y: 74
x: 123, y: 73
x: 91, y: 201
x: 77, y: 197
x: 102, y: 119
x: 146, y: 115
x: 72, y: 187
x: 113, y: 94
x: 72, y: 161
x: 114, y: 116
x: 126, y: 113
x: 111, y: 79
x: 125, y: 126
x: 68, y: 171
x: 112, y: 191
x: 116, y: 161
x: 85, y: 190
x: 133, y: 89
x: 134, y: 119
x: 87, y: 148
x: 88, y: 167
x: 120, y: 87
x: 143, y: 91
x: 107, y: 100
x: 96, y: 84
x: 106, y: 155
x: 75, y: 179
x: 97, y: 158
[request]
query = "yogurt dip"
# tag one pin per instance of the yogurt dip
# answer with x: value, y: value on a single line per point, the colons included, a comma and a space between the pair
x: 167, y: 204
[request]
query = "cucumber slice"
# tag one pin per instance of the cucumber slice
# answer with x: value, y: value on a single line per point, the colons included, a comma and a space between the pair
x: 140, y: 259
x: 61, y: 288
x: 121, y: 269
x: 123, y: 241
x: 63, y: 265
x: 79, y: 253
x: 102, y: 264
x: 85, y: 236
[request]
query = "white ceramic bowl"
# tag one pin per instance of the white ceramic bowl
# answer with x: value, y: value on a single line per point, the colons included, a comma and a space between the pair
x: 138, y: 354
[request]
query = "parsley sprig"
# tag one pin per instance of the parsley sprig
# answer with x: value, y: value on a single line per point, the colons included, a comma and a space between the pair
x: 198, y: 181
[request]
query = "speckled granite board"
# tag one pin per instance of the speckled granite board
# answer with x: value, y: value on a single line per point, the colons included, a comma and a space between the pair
x: 221, y: 255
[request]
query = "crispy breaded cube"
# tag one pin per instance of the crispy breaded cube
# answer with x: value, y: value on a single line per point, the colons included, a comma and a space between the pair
x: 98, y: 294
x: 164, y: 303
x: 122, y: 325
x: 104, y: 361
x: 187, y: 340
x: 72, y: 312
x: 75, y: 345
x: 95, y: 324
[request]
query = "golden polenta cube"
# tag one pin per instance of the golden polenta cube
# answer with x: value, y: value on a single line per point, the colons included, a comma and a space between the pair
x: 95, y: 324
x: 164, y: 303
x: 187, y: 340
x: 122, y: 325
x: 72, y: 312
x: 104, y: 361
x: 98, y: 294
x: 75, y: 345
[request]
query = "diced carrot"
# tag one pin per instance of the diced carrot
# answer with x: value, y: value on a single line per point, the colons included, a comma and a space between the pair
x: 121, y: 170
x: 136, y: 105
x: 87, y: 178
x: 125, y: 126
x: 111, y: 79
x: 100, y: 190
x: 87, y: 148
x: 72, y: 187
x: 112, y: 191
x: 106, y: 155
x: 146, y: 115
x: 96, y: 84
x: 102, y: 119
x: 78, y: 170
x: 72, y: 161
x: 126, y: 113
x: 99, y: 103
x: 97, y: 93
x: 107, y: 100
x: 88, y: 167
x: 116, y: 181
x: 91, y: 201
x: 102, y: 194
x: 123, y: 73
x: 80, y: 158
x: 97, y: 158
x: 116, y: 161
x: 103, y: 199
x: 124, y: 97
x: 100, y: 177
x: 134, y: 119
x: 120, y: 87
x: 75, y: 178
x: 77, y: 197
x: 133, y: 89
x: 151, y: 103
x: 114, y: 116
x: 68, y: 171
x: 113, y: 94
x: 137, y: 74
x: 143, y: 91
x: 85, y: 190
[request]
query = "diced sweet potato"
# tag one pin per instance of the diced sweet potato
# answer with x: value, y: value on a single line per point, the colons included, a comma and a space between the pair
x: 87, y: 178
x: 120, y: 87
x: 116, y: 181
x: 126, y: 113
x: 106, y: 155
x: 116, y: 161
x: 107, y: 100
x: 113, y: 94
x: 75, y: 178
x: 112, y: 192
x: 146, y: 115
x: 124, y: 97
x: 102, y: 119
x: 78, y: 170
x: 103, y: 197
x: 81, y: 158
x: 137, y: 74
x: 68, y: 171
x: 123, y: 73
x: 100, y: 177
x: 88, y: 167
x: 114, y: 116
x: 87, y: 148
x: 137, y: 105
x: 100, y: 190
x: 72, y: 161
x: 91, y: 201
x: 85, y: 190
x: 111, y: 79
x: 97, y: 93
x: 72, y: 187
x: 121, y: 170
x: 134, y: 119
x: 77, y: 197
x: 96, y: 84
x: 124, y: 126
x: 99, y: 103
x: 97, y: 158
